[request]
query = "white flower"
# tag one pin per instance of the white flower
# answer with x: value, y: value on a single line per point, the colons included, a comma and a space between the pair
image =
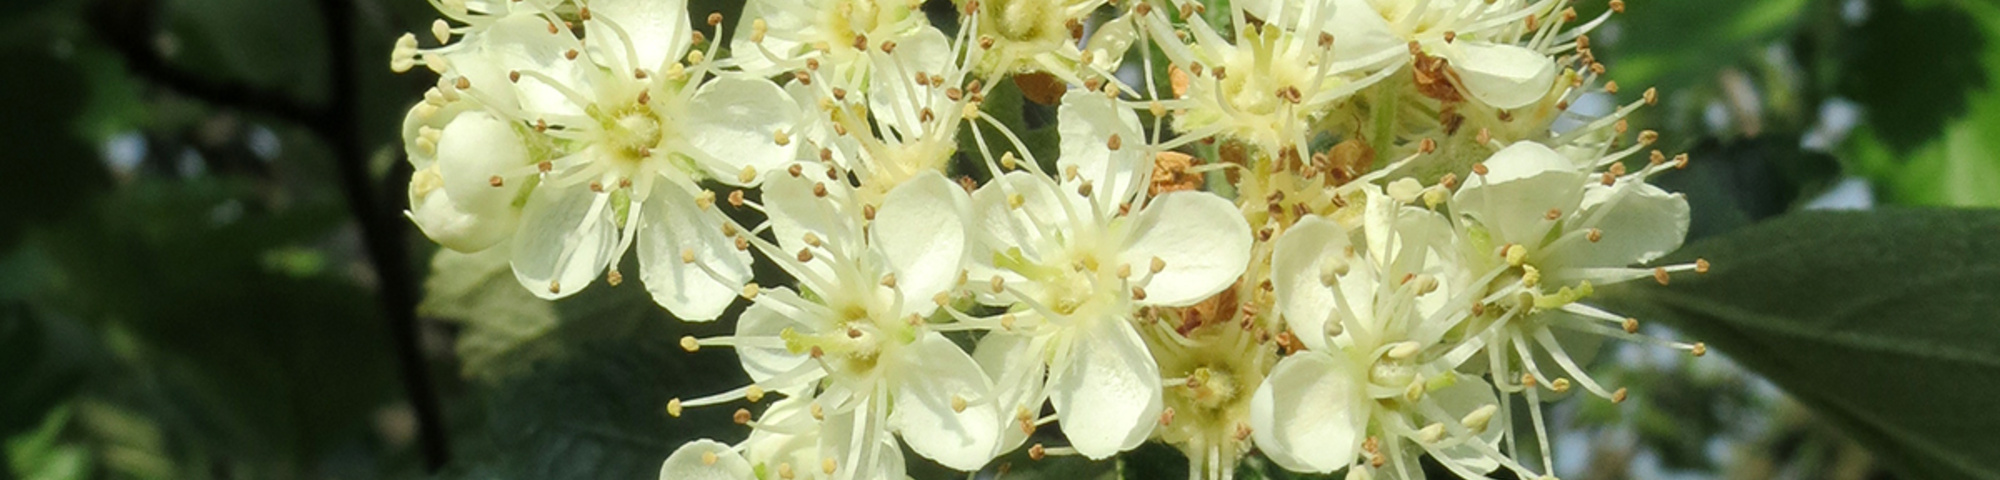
x: 779, y: 36
x: 909, y: 121
x: 1481, y: 42
x: 1374, y: 388
x: 705, y: 460
x: 861, y: 346
x: 1271, y: 86
x: 595, y: 140
x: 1077, y: 271
x: 790, y: 441
x: 1028, y: 36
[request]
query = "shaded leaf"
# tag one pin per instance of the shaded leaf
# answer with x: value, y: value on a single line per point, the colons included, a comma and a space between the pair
x: 1882, y: 321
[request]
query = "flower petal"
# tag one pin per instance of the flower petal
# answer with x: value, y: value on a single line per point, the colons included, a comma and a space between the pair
x: 769, y: 319
x: 1087, y: 123
x: 1309, y: 414
x: 1640, y: 223
x: 1523, y: 182
x: 1003, y: 230
x: 1107, y: 395
x: 921, y: 230
x: 656, y: 32
x: 733, y: 122
x: 794, y: 211
x: 1461, y: 398
x: 434, y: 212
x: 1203, y: 240
x: 705, y: 460
x: 893, y: 94
x: 673, y: 230
x: 938, y: 377
x: 566, y: 239
x: 474, y: 149
x: 1017, y: 365
x: 783, y: 36
x: 1299, y: 259
x: 1503, y: 76
x: 861, y: 449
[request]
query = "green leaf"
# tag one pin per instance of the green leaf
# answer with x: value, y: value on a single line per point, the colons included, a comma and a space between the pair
x: 1959, y: 165
x: 1882, y: 321
x: 1909, y: 98
x: 502, y: 322
x: 1681, y: 43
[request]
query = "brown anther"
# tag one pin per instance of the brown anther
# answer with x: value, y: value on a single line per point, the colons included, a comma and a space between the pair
x: 714, y: 18
x: 1427, y: 146
x: 868, y: 212
x: 496, y: 181
x: 860, y: 42
x: 514, y: 76
x: 645, y: 96
x: 1607, y: 179
x: 1554, y: 213
x: 1660, y: 275
x: 1618, y: 6
x: 1479, y: 169
x: 639, y: 74
x: 1618, y: 396
x: 1611, y: 87
x: 742, y: 416
x: 819, y: 190
x: 571, y: 54
x: 1167, y: 416
x: 890, y: 47
x: 1681, y: 161
x: 1647, y: 137
x: 614, y: 278
x: 1652, y: 96
x: 1655, y: 158
x: 1450, y: 36
x: 985, y: 42
x: 555, y: 287
x: 1701, y: 265
x: 805, y: 255
x: 545, y: 166
x: 1594, y: 235
x: 1699, y: 349
x: 1630, y: 325
x: 736, y: 198
x: 1138, y: 293
x: 463, y: 83
x: 1037, y: 452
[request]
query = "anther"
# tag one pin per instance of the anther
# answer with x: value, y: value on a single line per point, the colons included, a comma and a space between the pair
x: 1630, y: 325
x: 957, y: 404
x: 1699, y: 349
x: 1167, y: 416
x: 1037, y: 453
x: 827, y: 465
x: 555, y: 287
x: 690, y: 344
x: 614, y: 278
x: 1138, y: 293
x: 998, y: 284
x: 1618, y: 396
x: 1114, y: 142
x: 750, y: 291
x: 1479, y: 169
x: 819, y: 189
x: 1560, y: 385
x: 1157, y: 265
x: 1594, y: 235
x: 1660, y: 275
x: 1700, y: 265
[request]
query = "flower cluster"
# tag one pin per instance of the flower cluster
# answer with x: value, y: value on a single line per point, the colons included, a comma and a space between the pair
x: 1215, y: 259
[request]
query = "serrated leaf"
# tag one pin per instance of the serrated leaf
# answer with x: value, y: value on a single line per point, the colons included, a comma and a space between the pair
x: 1882, y: 321
x: 502, y: 322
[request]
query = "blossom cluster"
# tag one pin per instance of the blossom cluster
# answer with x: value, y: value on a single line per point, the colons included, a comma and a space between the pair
x: 1343, y: 234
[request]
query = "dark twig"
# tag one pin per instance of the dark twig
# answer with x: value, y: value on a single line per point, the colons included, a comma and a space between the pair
x: 381, y: 227
x: 338, y: 123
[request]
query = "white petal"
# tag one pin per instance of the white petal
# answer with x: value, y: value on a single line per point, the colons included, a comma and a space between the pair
x: 1461, y: 398
x: 893, y: 95
x: 783, y: 34
x: 566, y: 240
x: 999, y: 229
x: 921, y: 230
x: 1110, y: 42
x: 1107, y: 396
x: 1309, y: 414
x: 1362, y: 32
x: 1202, y: 238
x: 656, y: 32
x: 769, y: 319
x: 733, y: 121
x: 1087, y: 121
x: 1523, y: 182
x: 1640, y: 223
x: 705, y: 460
x: 861, y: 449
x: 1503, y: 76
x: 938, y: 376
x: 472, y: 150
x: 521, y: 42
x: 1017, y: 365
x: 794, y: 211
x: 670, y: 227
x: 1298, y: 261
x: 434, y: 212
